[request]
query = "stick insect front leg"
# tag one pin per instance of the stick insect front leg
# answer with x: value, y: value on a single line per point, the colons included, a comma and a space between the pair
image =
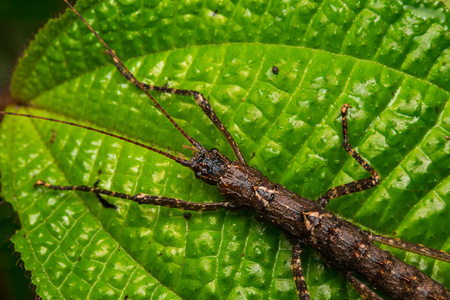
x: 146, y: 199
x: 358, y: 185
x: 201, y: 102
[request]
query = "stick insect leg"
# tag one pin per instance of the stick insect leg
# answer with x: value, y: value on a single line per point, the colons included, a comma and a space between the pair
x: 146, y: 199
x: 411, y: 247
x: 102, y: 200
x: 200, y: 100
x: 361, y: 288
x: 299, y: 279
x: 358, y: 185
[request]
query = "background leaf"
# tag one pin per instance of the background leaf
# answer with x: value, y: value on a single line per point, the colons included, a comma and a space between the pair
x: 388, y: 60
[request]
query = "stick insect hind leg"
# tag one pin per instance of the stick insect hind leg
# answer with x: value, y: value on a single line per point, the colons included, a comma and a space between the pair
x: 355, y: 186
x: 367, y: 183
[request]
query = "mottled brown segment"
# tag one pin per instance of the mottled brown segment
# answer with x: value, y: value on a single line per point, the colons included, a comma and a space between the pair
x: 380, y: 268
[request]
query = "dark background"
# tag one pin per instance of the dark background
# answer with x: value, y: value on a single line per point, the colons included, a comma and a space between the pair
x: 20, y: 20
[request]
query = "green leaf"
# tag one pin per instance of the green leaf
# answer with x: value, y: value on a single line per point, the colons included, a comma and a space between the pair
x: 390, y: 61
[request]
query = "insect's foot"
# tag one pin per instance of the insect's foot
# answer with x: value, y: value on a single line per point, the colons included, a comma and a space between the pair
x: 41, y: 182
x: 344, y: 108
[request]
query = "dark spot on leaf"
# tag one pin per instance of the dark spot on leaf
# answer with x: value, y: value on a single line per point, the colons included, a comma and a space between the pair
x: 275, y: 70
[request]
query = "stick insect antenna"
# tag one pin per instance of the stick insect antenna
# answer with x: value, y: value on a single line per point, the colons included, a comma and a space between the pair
x: 133, y: 79
x: 181, y: 161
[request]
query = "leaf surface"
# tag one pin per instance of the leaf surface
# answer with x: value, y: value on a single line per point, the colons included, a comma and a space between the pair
x: 390, y: 61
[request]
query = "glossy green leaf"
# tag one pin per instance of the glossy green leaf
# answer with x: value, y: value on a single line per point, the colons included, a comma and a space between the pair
x: 388, y: 59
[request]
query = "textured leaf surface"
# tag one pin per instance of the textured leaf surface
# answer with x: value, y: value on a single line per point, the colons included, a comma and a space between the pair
x: 390, y: 61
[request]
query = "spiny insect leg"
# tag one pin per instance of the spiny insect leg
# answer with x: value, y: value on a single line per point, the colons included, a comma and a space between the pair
x: 361, y: 288
x: 201, y: 102
x: 411, y: 247
x: 147, y: 199
x: 299, y: 279
x: 358, y: 185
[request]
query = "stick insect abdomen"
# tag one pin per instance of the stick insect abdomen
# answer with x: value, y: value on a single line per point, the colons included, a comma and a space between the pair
x: 347, y: 248
x: 398, y: 279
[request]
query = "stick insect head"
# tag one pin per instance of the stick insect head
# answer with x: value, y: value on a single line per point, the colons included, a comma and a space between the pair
x: 209, y: 165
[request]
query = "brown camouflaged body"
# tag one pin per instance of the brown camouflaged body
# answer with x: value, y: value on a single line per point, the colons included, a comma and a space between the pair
x: 342, y: 245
